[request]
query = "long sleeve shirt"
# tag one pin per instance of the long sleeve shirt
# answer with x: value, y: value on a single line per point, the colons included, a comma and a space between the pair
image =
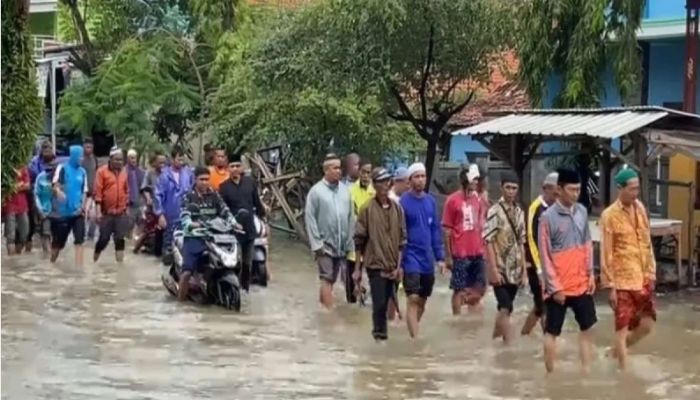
x: 532, y: 252
x: 627, y: 257
x: 330, y: 220
x: 380, y: 235
x: 566, y: 250
x: 170, y: 191
x: 202, y: 207
x: 424, y: 237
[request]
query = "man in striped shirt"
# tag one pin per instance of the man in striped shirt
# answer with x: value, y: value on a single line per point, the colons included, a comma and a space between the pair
x: 532, y: 253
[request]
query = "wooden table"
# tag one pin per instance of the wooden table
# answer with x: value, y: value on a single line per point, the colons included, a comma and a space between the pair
x: 659, y: 227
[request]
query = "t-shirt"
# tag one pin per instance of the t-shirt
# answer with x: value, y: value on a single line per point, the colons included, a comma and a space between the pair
x: 424, y: 238
x: 17, y: 203
x: 463, y: 215
x: 217, y: 176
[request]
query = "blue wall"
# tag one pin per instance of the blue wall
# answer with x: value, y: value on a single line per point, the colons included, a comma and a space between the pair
x: 666, y: 71
x: 665, y: 9
x: 461, y: 144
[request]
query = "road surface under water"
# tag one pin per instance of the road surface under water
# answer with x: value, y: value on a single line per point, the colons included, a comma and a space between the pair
x: 112, y: 332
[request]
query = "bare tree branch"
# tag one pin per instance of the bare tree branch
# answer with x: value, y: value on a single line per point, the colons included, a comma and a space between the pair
x: 426, y: 72
x: 407, y: 114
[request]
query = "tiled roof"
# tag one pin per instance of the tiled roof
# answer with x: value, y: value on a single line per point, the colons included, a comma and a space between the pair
x: 502, y: 92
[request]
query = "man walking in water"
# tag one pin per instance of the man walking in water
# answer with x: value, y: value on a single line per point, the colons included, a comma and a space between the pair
x: 111, y: 205
x: 330, y: 224
x: 200, y: 205
x: 175, y: 181
x: 135, y: 175
x: 628, y: 266
x: 532, y: 253
x: 380, y: 235
x: 566, y: 251
x: 362, y: 192
x: 463, y: 221
x: 43, y: 199
x: 423, y: 248
x: 71, y: 193
x: 505, y: 239
x: 90, y: 165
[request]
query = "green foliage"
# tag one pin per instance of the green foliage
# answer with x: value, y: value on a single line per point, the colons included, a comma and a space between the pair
x: 144, y: 81
x: 577, y: 40
x: 400, y: 60
x: 21, y: 108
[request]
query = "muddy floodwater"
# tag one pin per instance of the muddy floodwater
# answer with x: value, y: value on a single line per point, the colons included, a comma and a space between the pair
x: 108, y: 332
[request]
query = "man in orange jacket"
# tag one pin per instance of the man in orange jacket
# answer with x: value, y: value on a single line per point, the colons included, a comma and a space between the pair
x: 111, y: 197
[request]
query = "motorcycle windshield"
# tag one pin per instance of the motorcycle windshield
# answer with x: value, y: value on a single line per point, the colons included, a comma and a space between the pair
x: 218, y: 225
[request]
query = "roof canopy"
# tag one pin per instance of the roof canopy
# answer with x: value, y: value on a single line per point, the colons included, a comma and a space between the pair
x: 603, y: 123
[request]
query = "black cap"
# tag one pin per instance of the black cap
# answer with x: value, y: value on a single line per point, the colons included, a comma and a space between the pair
x: 234, y: 158
x: 509, y: 177
x: 568, y: 177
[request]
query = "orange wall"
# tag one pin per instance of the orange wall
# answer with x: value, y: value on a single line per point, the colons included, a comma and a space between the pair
x: 681, y: 168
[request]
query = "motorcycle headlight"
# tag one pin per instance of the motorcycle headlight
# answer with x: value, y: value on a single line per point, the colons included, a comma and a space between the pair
x: 228, y: 258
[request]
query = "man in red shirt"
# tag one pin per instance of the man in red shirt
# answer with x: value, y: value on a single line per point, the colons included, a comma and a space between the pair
x: 462, y: 222
x: 16, y: 214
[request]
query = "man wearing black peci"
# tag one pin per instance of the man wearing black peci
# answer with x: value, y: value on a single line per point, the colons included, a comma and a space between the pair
x: 240, y: 194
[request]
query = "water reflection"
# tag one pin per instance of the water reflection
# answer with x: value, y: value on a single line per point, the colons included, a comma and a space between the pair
x: 110, y: 331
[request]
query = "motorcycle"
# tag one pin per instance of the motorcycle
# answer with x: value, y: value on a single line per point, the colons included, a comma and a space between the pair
x: 218, y: 282
x: 258, y: 273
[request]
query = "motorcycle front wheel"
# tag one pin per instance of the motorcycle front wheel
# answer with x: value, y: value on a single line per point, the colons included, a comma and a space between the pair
x: 229, y: 295
x: 259, y: 273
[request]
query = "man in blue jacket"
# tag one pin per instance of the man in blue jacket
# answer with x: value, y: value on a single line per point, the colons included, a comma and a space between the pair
x: 175, y: 181
x: 70, y: 188
x: 423, y: 249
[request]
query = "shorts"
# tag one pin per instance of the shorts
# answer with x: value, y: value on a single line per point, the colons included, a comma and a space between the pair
x: 468, y: 272
x: 329, y: 267
x: 114, y: 226
x: 582, y: 306
x: 194, y: 254
x: 17, y: 228
x: 45, y: 227
x: 505, y: 295
x: 135, y: 216
x: 536, y: 289
x: 632, y: 306
x: 62, y: 227
x: 418, y: 284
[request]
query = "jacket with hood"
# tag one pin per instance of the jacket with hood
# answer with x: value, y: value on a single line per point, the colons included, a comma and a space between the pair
x: 72, y: 178
x: 171, y: 192
x: 330, y: 219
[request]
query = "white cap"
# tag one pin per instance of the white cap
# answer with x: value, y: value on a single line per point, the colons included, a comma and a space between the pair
x: 473, y: 172
x: 415, y: 167
x: 131, y: 152
x: 551, y: 179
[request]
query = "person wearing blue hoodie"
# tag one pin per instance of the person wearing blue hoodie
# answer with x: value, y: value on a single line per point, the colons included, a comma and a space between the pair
x: 423, y: 248
x: 174, y: 183
x: 70, y: 189
x: 43, y: 199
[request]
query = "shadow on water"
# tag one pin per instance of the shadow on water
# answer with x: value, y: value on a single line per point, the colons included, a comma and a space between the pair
x: 109, y: 331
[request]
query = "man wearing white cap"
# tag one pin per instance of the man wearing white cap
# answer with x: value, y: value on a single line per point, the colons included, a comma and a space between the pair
x: 136, y: 175
x: 423, y: 248
x: 532, y: 253
x: 400, y: 183
x: 463, y: 221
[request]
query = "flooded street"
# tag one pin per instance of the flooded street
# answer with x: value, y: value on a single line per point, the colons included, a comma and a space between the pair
x: 113, y: 332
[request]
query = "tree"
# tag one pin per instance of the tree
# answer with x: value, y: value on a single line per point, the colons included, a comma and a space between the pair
x: 149, y: 81
x: 577, y: 40
x: 422, y: 57
x: 21, y: 108
x: 99, y: 27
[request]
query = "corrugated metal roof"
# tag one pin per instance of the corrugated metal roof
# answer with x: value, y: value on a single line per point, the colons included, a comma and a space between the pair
x: 599, y: 123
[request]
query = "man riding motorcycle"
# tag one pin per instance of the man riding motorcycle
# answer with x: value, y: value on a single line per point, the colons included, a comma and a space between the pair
x: 201, y: 205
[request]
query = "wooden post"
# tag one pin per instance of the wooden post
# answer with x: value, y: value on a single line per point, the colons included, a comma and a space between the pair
x: 691, y: 238
x: 640, y: 155
x: 605, y: 173
x: 691, y: 56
